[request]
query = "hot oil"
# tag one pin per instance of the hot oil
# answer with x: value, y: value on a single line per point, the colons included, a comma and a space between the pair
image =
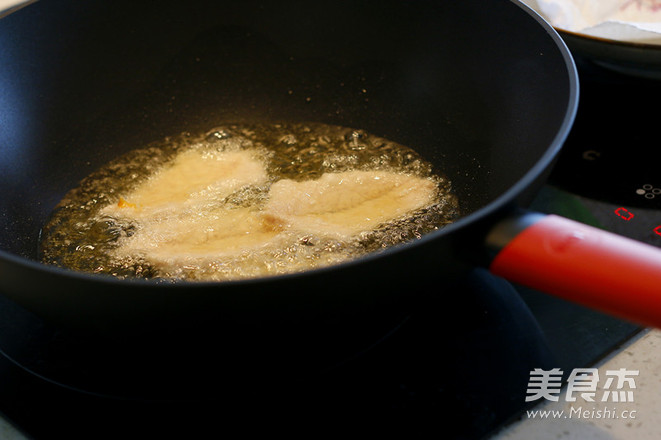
x: 82, y: 235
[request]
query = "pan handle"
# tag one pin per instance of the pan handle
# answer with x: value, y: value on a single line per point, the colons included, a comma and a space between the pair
x: 580, y: 263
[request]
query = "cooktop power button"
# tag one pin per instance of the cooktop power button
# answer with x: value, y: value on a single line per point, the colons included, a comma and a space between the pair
x: 591, y: 155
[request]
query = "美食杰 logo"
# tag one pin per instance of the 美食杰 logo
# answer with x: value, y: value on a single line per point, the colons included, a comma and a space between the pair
x: 583, y: 385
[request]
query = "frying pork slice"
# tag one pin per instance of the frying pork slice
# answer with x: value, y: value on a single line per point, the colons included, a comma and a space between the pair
x: 181, y: 220
x: 194, y: 180
x: 198, y: 236
x: 348, y: 203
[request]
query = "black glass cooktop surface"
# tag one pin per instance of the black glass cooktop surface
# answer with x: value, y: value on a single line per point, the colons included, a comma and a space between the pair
x: 460, y: 367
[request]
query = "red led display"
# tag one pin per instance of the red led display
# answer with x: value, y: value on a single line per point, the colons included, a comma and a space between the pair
x: 624, y: 213
x: 627, y: 215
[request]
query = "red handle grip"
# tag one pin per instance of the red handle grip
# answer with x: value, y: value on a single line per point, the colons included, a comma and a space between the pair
x: 586, y: 265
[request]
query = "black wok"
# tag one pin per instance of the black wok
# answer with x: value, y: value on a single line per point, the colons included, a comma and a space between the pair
x: 485, y: 90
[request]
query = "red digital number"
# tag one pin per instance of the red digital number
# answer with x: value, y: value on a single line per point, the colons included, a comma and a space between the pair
x: 657, y: 230
x: 624, y: 213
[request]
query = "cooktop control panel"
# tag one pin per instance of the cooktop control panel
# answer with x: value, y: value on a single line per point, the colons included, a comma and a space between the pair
x: 609, y: 161
x: 606, y: 189
x: 635, y: 222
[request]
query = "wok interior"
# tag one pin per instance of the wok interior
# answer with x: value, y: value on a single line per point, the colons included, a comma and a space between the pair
x: 475, y: 87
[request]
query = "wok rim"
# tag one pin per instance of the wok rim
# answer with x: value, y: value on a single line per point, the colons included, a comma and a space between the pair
x: 490, y: 209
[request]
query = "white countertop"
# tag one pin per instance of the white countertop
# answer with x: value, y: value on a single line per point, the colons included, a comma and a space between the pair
x: 9, y: 6
x: 639, y: 419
